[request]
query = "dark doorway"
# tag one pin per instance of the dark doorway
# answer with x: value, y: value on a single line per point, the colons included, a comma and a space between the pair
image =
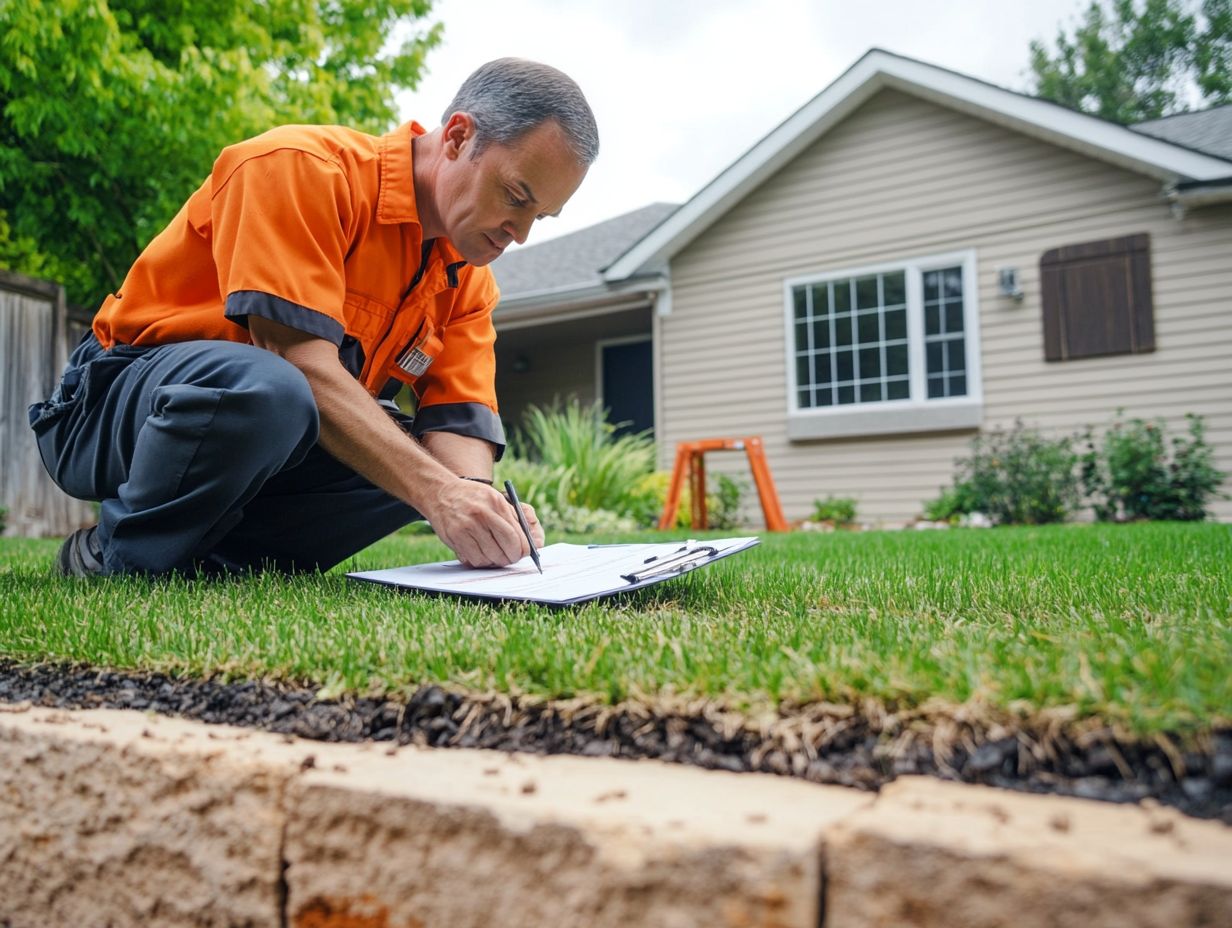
x: 627, y: 385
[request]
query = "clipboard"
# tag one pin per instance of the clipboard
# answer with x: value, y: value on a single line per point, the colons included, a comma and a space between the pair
x: 572, y: 574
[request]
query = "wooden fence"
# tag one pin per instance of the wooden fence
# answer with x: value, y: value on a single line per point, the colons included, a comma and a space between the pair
x: 34, y: 344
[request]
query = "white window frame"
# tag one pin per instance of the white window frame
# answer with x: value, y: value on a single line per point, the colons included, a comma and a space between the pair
x: 918, y: 413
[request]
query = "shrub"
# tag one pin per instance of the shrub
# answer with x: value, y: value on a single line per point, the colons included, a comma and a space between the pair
x: 1019, y: 477
x: 577, y: 520
x: 3, y: 518
x: 1129, y: 475
x: 722, y: 502
x: 569, y: 456
x: 953, y: 503
x: 841, y: 510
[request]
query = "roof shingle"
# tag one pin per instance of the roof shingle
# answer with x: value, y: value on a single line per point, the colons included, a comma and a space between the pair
x: 1209, y: 131
x: 576, y: 259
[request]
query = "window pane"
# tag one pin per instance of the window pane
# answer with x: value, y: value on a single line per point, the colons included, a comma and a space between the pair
x: 847, y: 394
x: 898, y: 389
x: 935, y: 355
x: 932, y: 319
x: 870, y: 363
x: 803, y: 374
x: 821, y: 300
x: 804, y: 398
x: 821, y: 333
x: 845, y: 365
x: 842, y: 296
x: 824, y: 397
x: 870, y: 392
x: 958, y: 385
x: 894, y: 287
x: 953, y: 318
x: 842, y: 331
x: 821, y: 370
x: 953, y: 282
x: 802, y: 342
x: 954, y: 358
x: 799, y: 297
x: 936, y: 386
x: 896, y: 324
x: 896, y: 359
x: 866, y: 293
x: 870, y: 330
x: 931, y: 286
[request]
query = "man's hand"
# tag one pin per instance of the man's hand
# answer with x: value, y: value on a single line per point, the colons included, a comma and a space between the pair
x: 479, y: 524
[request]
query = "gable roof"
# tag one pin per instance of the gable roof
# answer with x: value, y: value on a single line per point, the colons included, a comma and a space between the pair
x: 576, y: 260
x: 1137, y: 151
x: 1209, y: 131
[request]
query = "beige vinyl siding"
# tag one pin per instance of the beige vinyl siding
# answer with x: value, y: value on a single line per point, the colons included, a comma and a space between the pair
x: 904, y: 178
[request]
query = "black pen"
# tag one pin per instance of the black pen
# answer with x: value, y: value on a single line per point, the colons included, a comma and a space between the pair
x: 517, y: 508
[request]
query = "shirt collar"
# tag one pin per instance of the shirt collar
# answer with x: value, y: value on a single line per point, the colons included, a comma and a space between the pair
x: 396, y: 199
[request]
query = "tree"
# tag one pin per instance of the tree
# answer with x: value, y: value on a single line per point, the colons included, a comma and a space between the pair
x: 112, y: 111
x: 1132, y: 60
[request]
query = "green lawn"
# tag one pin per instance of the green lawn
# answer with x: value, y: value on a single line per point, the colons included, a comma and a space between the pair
x: 1129, y: 623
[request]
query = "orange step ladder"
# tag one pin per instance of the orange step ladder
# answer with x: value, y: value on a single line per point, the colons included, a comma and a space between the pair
x: 690, y: 457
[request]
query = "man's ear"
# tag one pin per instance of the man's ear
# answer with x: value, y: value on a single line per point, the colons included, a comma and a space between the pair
x: 458, y: 134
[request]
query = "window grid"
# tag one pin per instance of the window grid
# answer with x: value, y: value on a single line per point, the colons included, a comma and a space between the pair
x: 944, y: 339
x: 889, y: 381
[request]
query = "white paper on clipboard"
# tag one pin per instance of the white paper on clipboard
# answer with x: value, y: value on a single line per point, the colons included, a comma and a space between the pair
x: 571, y: 573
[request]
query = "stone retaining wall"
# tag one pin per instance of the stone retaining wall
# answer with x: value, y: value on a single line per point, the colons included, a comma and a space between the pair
x: 120, y: 818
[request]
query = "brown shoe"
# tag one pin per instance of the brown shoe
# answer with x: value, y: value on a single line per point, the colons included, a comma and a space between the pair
x: 81, y: 555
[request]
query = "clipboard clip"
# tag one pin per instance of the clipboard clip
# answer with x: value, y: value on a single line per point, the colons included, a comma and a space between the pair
x: 678, y: 562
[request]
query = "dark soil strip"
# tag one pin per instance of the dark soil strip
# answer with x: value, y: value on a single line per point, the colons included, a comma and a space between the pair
x: 863, y: 747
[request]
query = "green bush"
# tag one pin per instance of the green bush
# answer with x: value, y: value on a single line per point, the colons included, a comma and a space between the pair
x: 3, y: 518
x: 1019, y: 477
x: 567, y: 457
x: 577, y: 520
x: 841, y: 510
x: 722, y: 502
x: 953, y: 503
x: 1129, y: 474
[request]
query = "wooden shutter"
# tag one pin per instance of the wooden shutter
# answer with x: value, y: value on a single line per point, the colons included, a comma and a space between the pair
x: 1097, y: 298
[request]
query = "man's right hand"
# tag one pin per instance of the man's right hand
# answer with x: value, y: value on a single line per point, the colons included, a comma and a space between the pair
x: 478, y: 523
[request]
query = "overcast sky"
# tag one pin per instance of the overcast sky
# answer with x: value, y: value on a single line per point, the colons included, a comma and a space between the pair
x: 681, y: 88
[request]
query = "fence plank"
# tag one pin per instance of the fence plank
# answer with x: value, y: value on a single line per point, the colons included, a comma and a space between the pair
x: 33, y: 349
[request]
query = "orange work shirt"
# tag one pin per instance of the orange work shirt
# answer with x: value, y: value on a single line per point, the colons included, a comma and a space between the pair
x: 316, y: 227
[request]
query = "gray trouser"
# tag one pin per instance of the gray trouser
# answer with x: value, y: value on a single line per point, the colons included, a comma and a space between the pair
x: 204, y: 457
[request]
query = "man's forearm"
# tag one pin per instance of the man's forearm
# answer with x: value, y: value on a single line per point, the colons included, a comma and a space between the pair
x: 463, y: 455
x: 354, y: 427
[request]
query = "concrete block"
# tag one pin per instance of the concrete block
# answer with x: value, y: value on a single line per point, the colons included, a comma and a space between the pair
x: 464, y: 838
x: 931, y: 854
x: 118, y: 819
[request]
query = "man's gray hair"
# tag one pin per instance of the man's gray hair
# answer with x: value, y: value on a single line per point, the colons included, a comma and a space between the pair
x: 509, y: 97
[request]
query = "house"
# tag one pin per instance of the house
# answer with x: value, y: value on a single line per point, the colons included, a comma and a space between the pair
x: 913, y: 257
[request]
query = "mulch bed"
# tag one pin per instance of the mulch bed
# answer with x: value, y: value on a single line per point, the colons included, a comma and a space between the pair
x: 860, y: 746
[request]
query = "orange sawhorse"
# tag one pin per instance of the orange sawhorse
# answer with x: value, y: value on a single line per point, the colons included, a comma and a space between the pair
x: 690, y: 456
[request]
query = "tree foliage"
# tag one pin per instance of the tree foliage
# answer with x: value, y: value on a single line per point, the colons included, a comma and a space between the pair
x: 112, y: 111
x: 1132, y: 60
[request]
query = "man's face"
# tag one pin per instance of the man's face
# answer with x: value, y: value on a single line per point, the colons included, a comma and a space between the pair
x: 486, y: 202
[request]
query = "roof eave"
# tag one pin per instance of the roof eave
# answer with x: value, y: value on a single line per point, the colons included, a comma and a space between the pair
x: 1190, y: 195
x: 544, y: 305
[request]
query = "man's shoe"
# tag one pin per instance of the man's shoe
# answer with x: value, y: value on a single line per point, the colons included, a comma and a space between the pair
x: 81, y: 555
